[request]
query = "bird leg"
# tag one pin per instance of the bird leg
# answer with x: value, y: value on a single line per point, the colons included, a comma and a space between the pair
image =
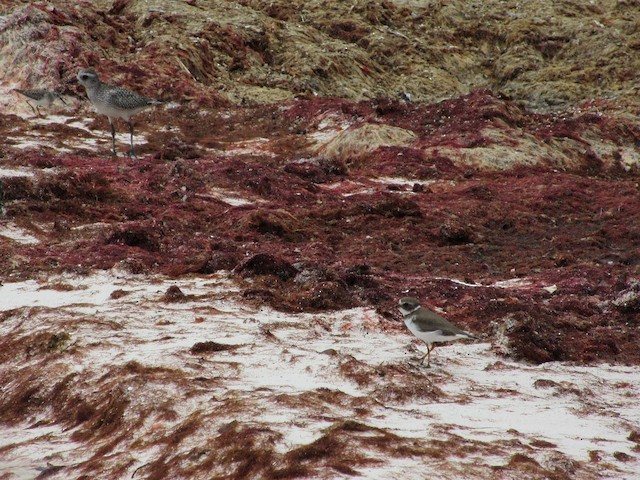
x: 427, y: 355
x: 34, y: 110
x: 132, y: 154
x: 113, y: 139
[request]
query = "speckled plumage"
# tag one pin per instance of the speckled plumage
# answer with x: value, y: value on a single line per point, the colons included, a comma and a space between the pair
x: 114, y: 102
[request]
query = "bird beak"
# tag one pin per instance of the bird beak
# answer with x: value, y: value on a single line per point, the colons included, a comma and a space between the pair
x: 72, y: 80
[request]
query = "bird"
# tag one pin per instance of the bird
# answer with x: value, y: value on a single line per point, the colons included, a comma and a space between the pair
x: 114, y: 102
x: 41, y: 97
x: 429, y: 326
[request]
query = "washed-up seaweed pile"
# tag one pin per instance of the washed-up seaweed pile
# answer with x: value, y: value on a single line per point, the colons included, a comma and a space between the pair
x: 314, y: 157
x: 348, y: 202
x: 544, y: 54
x: 316, y: 232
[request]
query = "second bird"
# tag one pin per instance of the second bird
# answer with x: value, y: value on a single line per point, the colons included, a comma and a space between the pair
x: 429, y: 326
x: 41, y: 97
x: 114, y: 102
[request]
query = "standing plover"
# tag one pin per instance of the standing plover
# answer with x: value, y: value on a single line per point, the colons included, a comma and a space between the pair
x: 429, y: 326
x: 114, y: 102
x: 41, y: 97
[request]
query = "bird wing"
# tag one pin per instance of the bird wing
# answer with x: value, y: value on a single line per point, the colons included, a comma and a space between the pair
x: 126, y: 99
x: 34, y: 94
x: 427, y: 321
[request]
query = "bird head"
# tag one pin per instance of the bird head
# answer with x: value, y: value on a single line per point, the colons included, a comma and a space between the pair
x: 408, y: 305
x: 88, y: 77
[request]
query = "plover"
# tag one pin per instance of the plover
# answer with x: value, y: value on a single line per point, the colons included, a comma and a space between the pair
x: 41, y: 97
x: 429, y: 326
x: 114, y: 102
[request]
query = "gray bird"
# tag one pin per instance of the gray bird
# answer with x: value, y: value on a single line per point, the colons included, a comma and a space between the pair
x: 41, y: 97
x: 114, y: 102
x: 429, y: 326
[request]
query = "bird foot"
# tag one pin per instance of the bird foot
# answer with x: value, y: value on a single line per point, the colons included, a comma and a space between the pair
x: 420, y: 362
x: 425, y: 365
